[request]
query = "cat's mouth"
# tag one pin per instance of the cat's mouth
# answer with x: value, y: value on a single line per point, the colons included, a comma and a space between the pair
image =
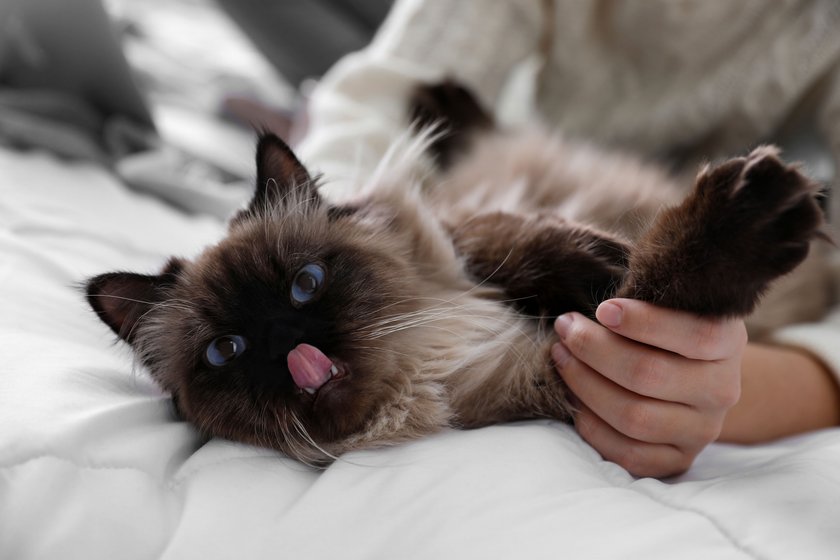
x: 311, y: 369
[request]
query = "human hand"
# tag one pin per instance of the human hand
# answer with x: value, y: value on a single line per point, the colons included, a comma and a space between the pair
x: 652, y: 386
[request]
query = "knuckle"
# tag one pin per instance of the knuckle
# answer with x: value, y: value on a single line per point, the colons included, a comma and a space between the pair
x: 680, y: 465
x: 578, y: 339
x: 637, y: 420
x: 646, y: 373
x: 585, y: 426
x: 718, y: 339
x: 639, y: 462
x: 733, y: 337
x: 570, y: 374
x: 742, y: 337
x: 633, y: 460
x: 647, y: 323
x: 708, y: 339
x: 726, y: 395
x: 709, y: 432
x: 642, y: 323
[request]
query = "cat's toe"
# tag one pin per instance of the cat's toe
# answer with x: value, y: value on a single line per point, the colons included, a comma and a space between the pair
x: 781, y: 200
x: 771, y: 213
x: 774, y: 185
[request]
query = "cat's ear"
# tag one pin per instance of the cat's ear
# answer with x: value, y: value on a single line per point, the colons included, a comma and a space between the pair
x: 280, y: 177
x: 122, y: 299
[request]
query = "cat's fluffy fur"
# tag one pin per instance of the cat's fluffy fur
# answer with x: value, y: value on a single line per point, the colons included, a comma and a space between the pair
x: 441, y: 280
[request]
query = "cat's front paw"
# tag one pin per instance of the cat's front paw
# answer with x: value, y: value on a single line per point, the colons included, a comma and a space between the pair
x: 747, y: 222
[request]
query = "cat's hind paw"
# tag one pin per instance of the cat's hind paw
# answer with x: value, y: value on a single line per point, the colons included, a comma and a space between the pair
x: 453, y: 111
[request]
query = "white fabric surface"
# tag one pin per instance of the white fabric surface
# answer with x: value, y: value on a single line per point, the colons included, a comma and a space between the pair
x: 94, y: 465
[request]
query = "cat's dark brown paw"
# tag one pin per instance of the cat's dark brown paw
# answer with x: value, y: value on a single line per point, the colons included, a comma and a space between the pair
x: 455, y: 111
x: 747, y: 222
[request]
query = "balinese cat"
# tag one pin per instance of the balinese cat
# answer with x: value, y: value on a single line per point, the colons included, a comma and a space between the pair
x: 318, y: 329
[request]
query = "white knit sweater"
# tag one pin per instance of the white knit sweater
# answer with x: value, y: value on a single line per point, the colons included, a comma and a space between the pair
x: 686, y: 79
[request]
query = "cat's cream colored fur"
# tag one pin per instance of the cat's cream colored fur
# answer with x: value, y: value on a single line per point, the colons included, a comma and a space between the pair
x: 427, y: 345
x: 468, y: 358
x: 472, y: 359
x: 534, y: 171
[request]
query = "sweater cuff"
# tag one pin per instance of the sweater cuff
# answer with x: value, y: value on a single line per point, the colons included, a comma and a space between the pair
x: 477, y: 42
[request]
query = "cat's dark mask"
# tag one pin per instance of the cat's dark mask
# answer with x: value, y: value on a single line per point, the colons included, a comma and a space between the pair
x: 121, y: 299
x: 278, y: 334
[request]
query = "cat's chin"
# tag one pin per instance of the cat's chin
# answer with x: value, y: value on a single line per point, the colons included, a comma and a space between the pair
x: 339, y: 374
x: 335, y: 409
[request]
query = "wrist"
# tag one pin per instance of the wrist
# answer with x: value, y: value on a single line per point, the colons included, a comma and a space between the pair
x: 784, y: 391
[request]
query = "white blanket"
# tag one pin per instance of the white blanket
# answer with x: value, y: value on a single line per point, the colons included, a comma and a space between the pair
x: 93, y: 463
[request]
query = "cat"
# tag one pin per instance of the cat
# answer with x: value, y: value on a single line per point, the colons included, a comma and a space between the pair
x: 316, y: 328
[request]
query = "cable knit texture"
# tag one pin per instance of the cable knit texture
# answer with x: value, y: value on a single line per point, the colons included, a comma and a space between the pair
x: 685, y: 80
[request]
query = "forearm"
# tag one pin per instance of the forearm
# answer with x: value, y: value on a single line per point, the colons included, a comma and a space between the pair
x: 784, y: 391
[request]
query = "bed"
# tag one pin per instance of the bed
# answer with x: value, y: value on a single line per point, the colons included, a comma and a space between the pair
x: 94, y: 463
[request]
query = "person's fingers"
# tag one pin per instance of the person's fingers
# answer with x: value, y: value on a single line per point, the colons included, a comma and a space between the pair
x: 645, y: 370
x: 679, y: 332
x: 637, y: 457
x: 637, y: 417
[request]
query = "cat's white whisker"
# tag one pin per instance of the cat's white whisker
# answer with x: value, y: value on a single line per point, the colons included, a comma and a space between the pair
x: 301, y: 429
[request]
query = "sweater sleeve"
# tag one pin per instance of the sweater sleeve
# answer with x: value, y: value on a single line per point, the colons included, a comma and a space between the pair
x: 359, y: 108
x: 822, y: 339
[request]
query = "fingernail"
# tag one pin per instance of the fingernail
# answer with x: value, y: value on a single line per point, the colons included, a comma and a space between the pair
x: 609, y: 314
x: 562, y: 324
x: 560, y: 354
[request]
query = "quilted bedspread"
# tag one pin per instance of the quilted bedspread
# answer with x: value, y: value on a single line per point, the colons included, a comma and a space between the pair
x: 94, y: 464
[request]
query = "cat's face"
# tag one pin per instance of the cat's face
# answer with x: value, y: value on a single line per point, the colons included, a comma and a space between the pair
x: 286, y: 333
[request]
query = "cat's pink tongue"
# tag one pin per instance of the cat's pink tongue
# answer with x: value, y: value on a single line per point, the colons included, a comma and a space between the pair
x: 309, y: 367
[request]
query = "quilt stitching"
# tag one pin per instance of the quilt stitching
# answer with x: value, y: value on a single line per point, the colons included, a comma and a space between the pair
x: 610, y: 476
x: 718, y: 526
x: 173, y: 483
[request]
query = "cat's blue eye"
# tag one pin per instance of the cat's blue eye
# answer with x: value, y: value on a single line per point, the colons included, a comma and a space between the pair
x: 224, y: 349
x: 308, y: 283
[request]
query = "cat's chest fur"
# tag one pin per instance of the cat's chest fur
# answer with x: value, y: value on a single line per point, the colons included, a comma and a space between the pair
x: 318, y: 329
x: 488, y: 349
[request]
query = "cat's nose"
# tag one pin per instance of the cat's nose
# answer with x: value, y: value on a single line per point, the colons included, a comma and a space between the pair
x: 282, y: 339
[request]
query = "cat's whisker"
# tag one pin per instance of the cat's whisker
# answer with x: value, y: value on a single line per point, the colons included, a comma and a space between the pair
x: 263, y: 421
x: 301, y: 429
x: 491, y: 324
x: 294, y: 442
x: 482, y: 322
x: 470, y: 291
x: 377, y: 351
x: 449, y: 301
x: 434, y: 313
x: 399, y: 327
x: 488, y: 277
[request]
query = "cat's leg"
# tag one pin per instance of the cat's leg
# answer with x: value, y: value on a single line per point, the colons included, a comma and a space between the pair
x: 545, y: 265
x: 747, y: 222
x: 455, y: 114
